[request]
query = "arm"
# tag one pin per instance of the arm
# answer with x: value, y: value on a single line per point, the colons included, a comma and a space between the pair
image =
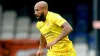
x: 42, y: 42
x: 66, y: 30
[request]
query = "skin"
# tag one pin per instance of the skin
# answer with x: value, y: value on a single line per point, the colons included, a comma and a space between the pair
x: 41, y: 10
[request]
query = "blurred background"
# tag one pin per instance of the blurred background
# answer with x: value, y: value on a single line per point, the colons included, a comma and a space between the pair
x: 20, y: 37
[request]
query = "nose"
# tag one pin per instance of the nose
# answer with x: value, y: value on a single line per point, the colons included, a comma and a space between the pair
x: 35, y: 13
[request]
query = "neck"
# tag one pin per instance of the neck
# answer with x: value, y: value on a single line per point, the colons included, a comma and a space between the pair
x: 45, y: 16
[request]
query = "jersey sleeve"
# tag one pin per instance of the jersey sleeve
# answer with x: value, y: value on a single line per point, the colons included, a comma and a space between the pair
x: 37, y: 26
x: 58, y: 20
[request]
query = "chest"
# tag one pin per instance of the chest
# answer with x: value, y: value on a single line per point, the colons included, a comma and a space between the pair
x: 46, y: 27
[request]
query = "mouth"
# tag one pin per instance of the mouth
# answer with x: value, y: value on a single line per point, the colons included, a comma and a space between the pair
x: 37, y: 16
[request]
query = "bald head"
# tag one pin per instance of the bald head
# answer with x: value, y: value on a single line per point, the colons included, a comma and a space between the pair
x: 41, y: 10
x: 42, y: 5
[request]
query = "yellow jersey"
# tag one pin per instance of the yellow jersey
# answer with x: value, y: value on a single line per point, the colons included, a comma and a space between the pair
x: 51, y: 29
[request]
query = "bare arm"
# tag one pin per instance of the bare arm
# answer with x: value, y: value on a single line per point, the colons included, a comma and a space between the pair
x: 42, y: 42
x: 66, y: 30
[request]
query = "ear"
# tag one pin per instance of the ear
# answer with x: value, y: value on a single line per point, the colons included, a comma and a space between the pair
x: 44, y: 10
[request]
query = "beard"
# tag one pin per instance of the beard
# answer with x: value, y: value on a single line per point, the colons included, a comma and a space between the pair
x: 42, y: 18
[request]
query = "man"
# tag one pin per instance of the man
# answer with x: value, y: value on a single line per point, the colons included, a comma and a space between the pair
x: 54, y: 32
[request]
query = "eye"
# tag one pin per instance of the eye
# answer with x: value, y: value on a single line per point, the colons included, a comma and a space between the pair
x: 36, y: 9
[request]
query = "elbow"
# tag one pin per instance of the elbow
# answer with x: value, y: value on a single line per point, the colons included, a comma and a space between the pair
x: 71, y: 29
x: 68, y: 28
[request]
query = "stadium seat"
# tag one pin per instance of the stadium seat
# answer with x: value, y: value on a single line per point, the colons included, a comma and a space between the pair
x: 0, y: 19
x: 23, y: 26
x: 9, y: 17
x: 35, y: 34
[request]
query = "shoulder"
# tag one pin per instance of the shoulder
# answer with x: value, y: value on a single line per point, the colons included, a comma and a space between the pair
x: 52, y: 15
x: 38, y: 24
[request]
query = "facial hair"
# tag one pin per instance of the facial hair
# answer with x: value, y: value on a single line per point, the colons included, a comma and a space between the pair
x: 42, y: 18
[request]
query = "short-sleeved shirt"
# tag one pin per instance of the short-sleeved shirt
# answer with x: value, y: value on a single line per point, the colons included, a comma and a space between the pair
x: 51, y: 29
